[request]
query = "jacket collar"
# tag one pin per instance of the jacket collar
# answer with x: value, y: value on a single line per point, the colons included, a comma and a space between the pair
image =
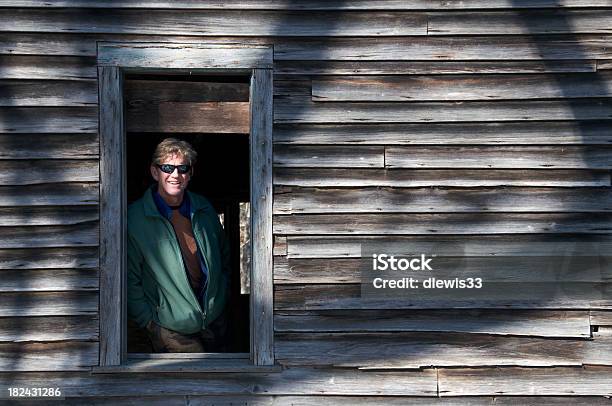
x: 150, y: 208
x: 166, y: 210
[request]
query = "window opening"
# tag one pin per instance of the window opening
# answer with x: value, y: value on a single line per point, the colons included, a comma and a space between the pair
x: 212, y: 114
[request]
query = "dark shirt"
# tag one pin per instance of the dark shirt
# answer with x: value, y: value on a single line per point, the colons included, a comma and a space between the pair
x: 185, y: 210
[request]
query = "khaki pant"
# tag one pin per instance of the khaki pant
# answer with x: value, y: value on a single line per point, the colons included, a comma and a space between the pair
x: 212, y: 339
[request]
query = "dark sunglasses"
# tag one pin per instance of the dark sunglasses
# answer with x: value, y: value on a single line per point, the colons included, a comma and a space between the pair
x: 167, y: 168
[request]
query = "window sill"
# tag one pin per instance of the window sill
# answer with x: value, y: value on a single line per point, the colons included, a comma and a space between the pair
x: 186, y: 365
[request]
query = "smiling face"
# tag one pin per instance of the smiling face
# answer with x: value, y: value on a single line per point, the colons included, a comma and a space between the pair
x: 171, y: 186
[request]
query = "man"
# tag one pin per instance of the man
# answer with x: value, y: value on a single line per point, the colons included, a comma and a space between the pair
x: 178, y: 259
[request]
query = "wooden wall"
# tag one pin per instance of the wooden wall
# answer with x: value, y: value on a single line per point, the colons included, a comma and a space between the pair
x: 484, y: 121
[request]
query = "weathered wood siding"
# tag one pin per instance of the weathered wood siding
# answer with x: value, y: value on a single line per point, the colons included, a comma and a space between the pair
x: 394, y: 121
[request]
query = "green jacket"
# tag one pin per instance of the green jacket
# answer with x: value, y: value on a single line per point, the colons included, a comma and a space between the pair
x: 157, y: 285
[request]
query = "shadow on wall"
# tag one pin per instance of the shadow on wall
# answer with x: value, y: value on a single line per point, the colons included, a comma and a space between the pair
x: 336, y: 344
x: 364, y: 347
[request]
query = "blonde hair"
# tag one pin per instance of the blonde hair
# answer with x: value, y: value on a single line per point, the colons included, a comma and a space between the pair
x: 173, y: 146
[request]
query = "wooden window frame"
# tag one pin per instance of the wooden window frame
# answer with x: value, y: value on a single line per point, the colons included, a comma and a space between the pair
x: 113, y: 60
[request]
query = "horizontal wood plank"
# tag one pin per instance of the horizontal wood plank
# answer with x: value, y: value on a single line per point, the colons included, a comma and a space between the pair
x: 49, y: 258
x: 50, y: 194
x: 48, y: 120
x: 328, y: 156
x: 399, y: 400
x: 36, y: 45
x: 292, y: 86
x: 48, y: 328
x: 601, y: 318
x: 529, y: 270
x: 42, y: 216
x: 526, y: 381
x: 181, y: 106
x: 461, y: 87
x: 473, y: 48
x: 31, y: 147
x: 214, y: 23
x: 497, y: 322
x: 537, y: 157
x: 182, y: 54
x: 38, y: 93
x: 460, y: 245
x: 61, y: 356
x: 75, y: 303
x: 47, y: 67
x: 434, y: 224
x: 290, y: 200
x: 348, y: 297
x: 330, y: 177
x: 428, y: 68
x: 504, y: 133
x: 304, y: 400
x: 38, y: 171
x: 336, y: 270
x: 322, y: 400
x: 310, y: 5
x: 140, y: 91
x: 525, y: 22
x: 290, y: 381
x: 41, y: 280
x: 604, y: 65
x: 85, y: 45
x: 81, y: 235
x: 432, y: 48
x: 183, y: 365
x: 181, y: 117
x: 419, y: 350
x: 298, y: 109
